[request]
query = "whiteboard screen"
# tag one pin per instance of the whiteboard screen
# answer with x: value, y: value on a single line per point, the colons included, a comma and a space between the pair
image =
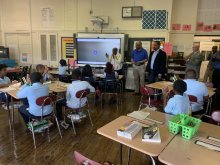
x: 93, y: 50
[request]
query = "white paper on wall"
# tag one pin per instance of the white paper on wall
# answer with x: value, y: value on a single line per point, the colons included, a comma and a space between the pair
x: 47, y: 16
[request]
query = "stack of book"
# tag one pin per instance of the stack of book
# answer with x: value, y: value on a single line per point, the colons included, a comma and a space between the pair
x: 151, y: 134
x: 129, y: 130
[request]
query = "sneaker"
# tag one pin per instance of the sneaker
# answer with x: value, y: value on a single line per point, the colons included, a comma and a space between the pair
x: 74, y: 117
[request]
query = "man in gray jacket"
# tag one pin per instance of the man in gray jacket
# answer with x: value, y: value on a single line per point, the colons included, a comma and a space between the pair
x: 194, y: 60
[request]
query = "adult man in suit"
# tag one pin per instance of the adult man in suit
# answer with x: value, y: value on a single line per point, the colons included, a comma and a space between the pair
x: 194, y: 60
x: 156, y: 66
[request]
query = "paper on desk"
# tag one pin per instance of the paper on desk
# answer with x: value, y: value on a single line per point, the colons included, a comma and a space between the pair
x: 209, y: 146
x: 140, y: 115
x: 16, y: 86
x: 10, y: 88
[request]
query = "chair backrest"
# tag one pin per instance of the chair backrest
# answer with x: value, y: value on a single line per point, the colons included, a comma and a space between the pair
x: 192, y: 99
x: 80, y: 159
x: 46, y: 100
x: 145, y: 91
x: 82, y: 93
x: 88, y: 79
x: 216, y: 116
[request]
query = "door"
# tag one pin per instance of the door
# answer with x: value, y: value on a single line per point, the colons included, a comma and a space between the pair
x: 48, y: 49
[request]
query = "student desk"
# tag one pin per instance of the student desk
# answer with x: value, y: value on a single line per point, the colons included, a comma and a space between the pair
x: 151, y: 149
x: 185, y: 152
x: 160, y: 85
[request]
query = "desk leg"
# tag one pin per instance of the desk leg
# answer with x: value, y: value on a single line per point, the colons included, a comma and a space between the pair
x: 120, y: 154
x: 12, y: 114
x: 129, y: 155
x: 9, y: 117
x: 153, y: 161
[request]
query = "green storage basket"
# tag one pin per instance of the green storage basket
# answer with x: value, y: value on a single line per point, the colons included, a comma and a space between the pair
x: 189, y: 130
x: 174, y: 124
x: 189, y: 125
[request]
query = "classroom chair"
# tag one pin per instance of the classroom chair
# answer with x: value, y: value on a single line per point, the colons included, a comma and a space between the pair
x: 192, y: 100
x: 215, y: 116
x: 80, y: 95
x: 111, y: 87
x: 146, y: 98
x: 64, y: 78
x: 79, y: 158
x: 40, y: 121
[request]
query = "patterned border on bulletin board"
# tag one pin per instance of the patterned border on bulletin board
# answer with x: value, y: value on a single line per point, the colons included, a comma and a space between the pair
x: 154, y: 19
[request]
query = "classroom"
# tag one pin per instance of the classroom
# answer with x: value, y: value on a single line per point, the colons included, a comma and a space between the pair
x: 109, y: 82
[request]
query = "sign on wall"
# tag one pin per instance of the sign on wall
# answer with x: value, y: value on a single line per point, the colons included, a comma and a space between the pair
x: 68, y: 46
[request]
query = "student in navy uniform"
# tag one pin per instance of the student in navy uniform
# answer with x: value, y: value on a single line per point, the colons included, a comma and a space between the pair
x: 4, y: 81
x: 179, y: 103
x: 43, y: 69
x: 32, y: 93
x: 109, y: 73
x: 87, y: 74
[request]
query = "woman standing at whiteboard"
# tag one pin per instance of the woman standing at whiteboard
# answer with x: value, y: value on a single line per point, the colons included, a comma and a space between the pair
x: 116, y: 60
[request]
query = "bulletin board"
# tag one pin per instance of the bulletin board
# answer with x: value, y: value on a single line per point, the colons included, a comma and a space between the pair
x: 67, y: 46
x: 146, y: 43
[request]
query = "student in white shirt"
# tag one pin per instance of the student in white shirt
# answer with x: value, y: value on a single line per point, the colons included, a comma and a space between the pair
x: 179, y: 104
x: 63, y: 68
x: 4, y: 81
x: 116, y: 60
x: 32, y: 93
x: 71, y: 100
x: 43, y: 69
x: 197, y: 89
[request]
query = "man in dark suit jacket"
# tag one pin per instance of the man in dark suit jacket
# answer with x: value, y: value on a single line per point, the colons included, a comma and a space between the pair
x: 156, y: 66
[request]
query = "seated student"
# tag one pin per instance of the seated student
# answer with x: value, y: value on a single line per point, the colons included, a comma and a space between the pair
x: 32, y: 93
x: 179, y: 104
x: 197, y: 89
x: 87, y: 74
x: 109, y: 73
x: 43, y: 69
x: 71, y: 100
x: 4, y: 81
x: 63, y: 68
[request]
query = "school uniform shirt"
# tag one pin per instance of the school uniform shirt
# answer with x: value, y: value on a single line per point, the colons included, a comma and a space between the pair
x: 113, y: 75
x: 62, y: 70
x: 116, y: 61
x: 197, y: 89
x: 32, y: 93
x: 178, y: 105
x: 153, y: 58
x: 5, y: 80
x: 72, y: 89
